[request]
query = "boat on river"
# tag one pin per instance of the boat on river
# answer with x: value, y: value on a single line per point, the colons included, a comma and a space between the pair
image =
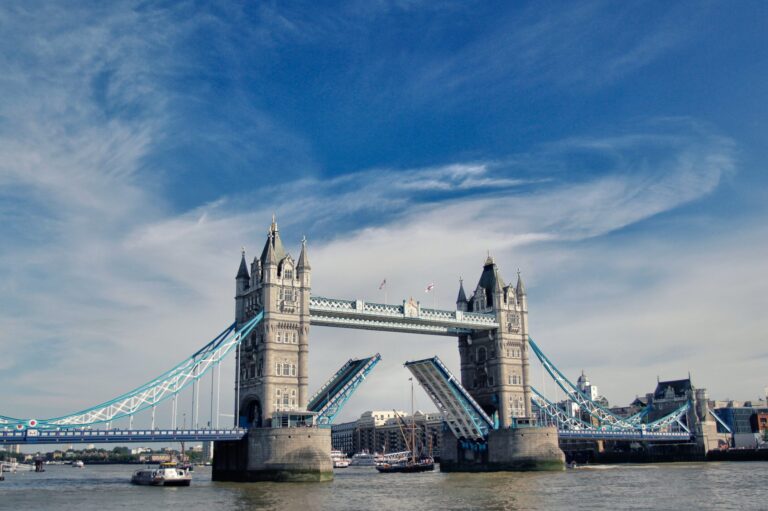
x: 407, y: 466
x: 413, y: 460
x: 363, y: 459
x: 167, y: 474
x: 339, y: 459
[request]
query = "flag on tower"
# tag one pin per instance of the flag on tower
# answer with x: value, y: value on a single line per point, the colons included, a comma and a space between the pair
x: 383, y: 284
x: 430, y: 287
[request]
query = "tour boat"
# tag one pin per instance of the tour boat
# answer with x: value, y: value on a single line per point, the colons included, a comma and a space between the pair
x: 167, y: 474
x: 363, y: 459
x: 78, y: 464
x: 339, y: 460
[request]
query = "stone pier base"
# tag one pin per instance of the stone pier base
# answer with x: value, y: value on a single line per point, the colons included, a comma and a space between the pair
x: 267, y: 454
x: 512, y: 450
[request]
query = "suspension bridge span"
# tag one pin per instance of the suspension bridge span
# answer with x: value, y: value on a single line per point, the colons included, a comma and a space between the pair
x: 495, y: 419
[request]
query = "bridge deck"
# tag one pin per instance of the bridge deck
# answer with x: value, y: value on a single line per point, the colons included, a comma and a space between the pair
x: 337, y: 382
x: 95, y: 436
x: 463, y: 415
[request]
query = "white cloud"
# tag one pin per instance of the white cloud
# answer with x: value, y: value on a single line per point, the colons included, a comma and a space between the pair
x: 104, y: 285
x: 124, y: 305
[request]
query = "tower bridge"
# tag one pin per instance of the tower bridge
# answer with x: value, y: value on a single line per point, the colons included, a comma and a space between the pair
x: 496, y: 420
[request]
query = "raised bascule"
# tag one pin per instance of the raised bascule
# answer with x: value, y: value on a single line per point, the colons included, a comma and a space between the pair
x: 495, y: 420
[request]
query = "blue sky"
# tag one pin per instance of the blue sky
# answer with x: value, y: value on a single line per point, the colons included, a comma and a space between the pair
x: 615, y: 153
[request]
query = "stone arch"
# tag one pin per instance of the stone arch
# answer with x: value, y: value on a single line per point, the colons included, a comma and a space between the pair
x: 252, y: 413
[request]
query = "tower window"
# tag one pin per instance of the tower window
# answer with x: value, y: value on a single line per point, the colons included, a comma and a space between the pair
x: 279, y: 369
x: 288, y: 274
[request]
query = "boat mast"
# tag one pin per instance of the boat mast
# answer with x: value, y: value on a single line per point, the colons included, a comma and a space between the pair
x: 413, y: 426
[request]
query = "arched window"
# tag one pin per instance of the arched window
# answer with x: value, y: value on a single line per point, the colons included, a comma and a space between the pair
x: 293, y: 369
x: 279, y: 369
x: 286, y: 369
x: 481, y: 354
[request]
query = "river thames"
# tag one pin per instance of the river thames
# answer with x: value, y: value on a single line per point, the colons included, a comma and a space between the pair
x: 665, y: 486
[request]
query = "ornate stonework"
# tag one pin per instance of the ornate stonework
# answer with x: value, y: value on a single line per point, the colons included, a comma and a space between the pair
x: 273, y: 361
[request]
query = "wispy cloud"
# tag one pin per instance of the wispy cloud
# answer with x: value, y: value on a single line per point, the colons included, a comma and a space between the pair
x: 104, y: 273
x: 583, y: 45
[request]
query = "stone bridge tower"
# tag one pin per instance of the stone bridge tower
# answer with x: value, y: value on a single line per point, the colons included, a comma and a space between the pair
x: 273, y: 361
x: 494, y: 363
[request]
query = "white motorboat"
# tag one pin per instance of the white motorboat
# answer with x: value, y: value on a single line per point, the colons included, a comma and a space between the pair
x: 339, y: 459
x: 78, y: 464
x: 167, y: 474
x: 363, y: 459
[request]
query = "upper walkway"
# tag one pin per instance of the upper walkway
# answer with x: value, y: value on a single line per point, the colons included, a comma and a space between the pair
x: 410, y: 317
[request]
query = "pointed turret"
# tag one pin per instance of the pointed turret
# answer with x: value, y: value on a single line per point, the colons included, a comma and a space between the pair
x: 268, y: 258
x: 520, y: 286
x: 241, y: 287
x: 462, y: 295
x: 462, y: 303
x: 277, y: 245
x: 491, y: 283
x: 242, y: 272
x: 303, y: 258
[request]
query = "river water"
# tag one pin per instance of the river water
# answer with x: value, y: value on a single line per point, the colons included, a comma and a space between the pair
x: 679, y: 486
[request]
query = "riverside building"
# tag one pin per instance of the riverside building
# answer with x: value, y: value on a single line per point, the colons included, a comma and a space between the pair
x: 381, y: 431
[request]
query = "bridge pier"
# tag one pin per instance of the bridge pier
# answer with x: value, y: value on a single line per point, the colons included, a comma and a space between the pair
x: 275, y: 454
x: 508, y: 450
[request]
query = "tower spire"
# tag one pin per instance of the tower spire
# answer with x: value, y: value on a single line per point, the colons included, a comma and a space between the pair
x: 242, y: 272
x: 303, y: 263
x: 270, y: 250
x: 520, y: 286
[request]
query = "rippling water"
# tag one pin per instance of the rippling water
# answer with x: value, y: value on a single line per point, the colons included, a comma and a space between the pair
x: 669, y: 486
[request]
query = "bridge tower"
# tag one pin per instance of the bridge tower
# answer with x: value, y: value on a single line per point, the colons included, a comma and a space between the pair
x: 273, y: 374
x: 494, y: 369
x: 273, y: 362
x: 494, y: 363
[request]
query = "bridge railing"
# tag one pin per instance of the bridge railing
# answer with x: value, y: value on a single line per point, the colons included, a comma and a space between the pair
x: 118, y: 435
x: 321, y: 305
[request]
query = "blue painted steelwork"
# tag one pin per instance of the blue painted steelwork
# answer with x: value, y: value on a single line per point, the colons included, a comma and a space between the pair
x: 720, y: 421
x: 94, y: 436
x: 574, y: 427
x: 331, y: 398
x: 409, y: 317
x: 559, y: 417
x: 630, y: 435
x: 157, y: 390
x: 463, y: 415
x: 604, y: 416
